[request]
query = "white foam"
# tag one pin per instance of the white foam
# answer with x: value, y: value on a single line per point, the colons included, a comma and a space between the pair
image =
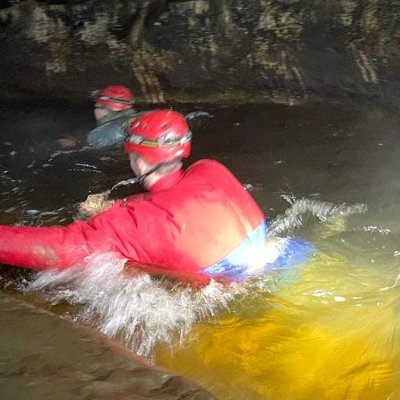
x: 323, y: 210
x: 137, y: 309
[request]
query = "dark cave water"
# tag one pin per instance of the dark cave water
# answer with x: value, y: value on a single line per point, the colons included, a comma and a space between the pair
x: 324, y: 172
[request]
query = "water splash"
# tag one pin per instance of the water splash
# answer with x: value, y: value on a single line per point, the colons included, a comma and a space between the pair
x: 63, y: 152
x: 195, y: 114
x: 135, y: 308
x: 293, y: 217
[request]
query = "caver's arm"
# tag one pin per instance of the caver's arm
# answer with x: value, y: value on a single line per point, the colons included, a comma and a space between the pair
x: 43, y: 248
x: 60, y: 247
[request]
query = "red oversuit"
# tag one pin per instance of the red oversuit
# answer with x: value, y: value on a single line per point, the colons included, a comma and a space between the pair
x: 187, y: 222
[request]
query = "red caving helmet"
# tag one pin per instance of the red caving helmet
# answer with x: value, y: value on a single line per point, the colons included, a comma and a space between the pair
x: 159, y: 136
x: 116, y: 98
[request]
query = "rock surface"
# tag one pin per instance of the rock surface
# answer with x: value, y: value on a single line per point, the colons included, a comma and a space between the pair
x: 45, y: 357
x: 286, y: 51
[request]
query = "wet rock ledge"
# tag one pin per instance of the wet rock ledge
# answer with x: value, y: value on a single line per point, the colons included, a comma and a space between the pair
x: 45, y: 357
x: 285, y: 51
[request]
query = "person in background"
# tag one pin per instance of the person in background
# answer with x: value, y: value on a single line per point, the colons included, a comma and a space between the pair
x: 194, y: 225
x: 40, y: 150
x: 113, y: 107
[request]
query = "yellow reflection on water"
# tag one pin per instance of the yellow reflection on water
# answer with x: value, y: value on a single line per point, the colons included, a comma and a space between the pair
x: 333, y: 333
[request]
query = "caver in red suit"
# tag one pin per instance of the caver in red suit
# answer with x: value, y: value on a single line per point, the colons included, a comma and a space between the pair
x: 185, y: 225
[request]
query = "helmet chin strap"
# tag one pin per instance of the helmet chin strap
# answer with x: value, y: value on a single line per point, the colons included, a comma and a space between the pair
x: 139, y: 179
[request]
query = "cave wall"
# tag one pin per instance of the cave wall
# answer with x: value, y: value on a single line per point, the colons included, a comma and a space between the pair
x: 285, y: 51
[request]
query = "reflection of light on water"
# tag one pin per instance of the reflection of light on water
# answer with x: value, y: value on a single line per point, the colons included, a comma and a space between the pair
x: 331, y: 334
x: 135, y: 308
x: 330, y: 327
x: 378, y: 229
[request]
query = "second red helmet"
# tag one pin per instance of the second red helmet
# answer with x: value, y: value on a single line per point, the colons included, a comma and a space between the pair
x: 159, y: 136
x: 116, y: 98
